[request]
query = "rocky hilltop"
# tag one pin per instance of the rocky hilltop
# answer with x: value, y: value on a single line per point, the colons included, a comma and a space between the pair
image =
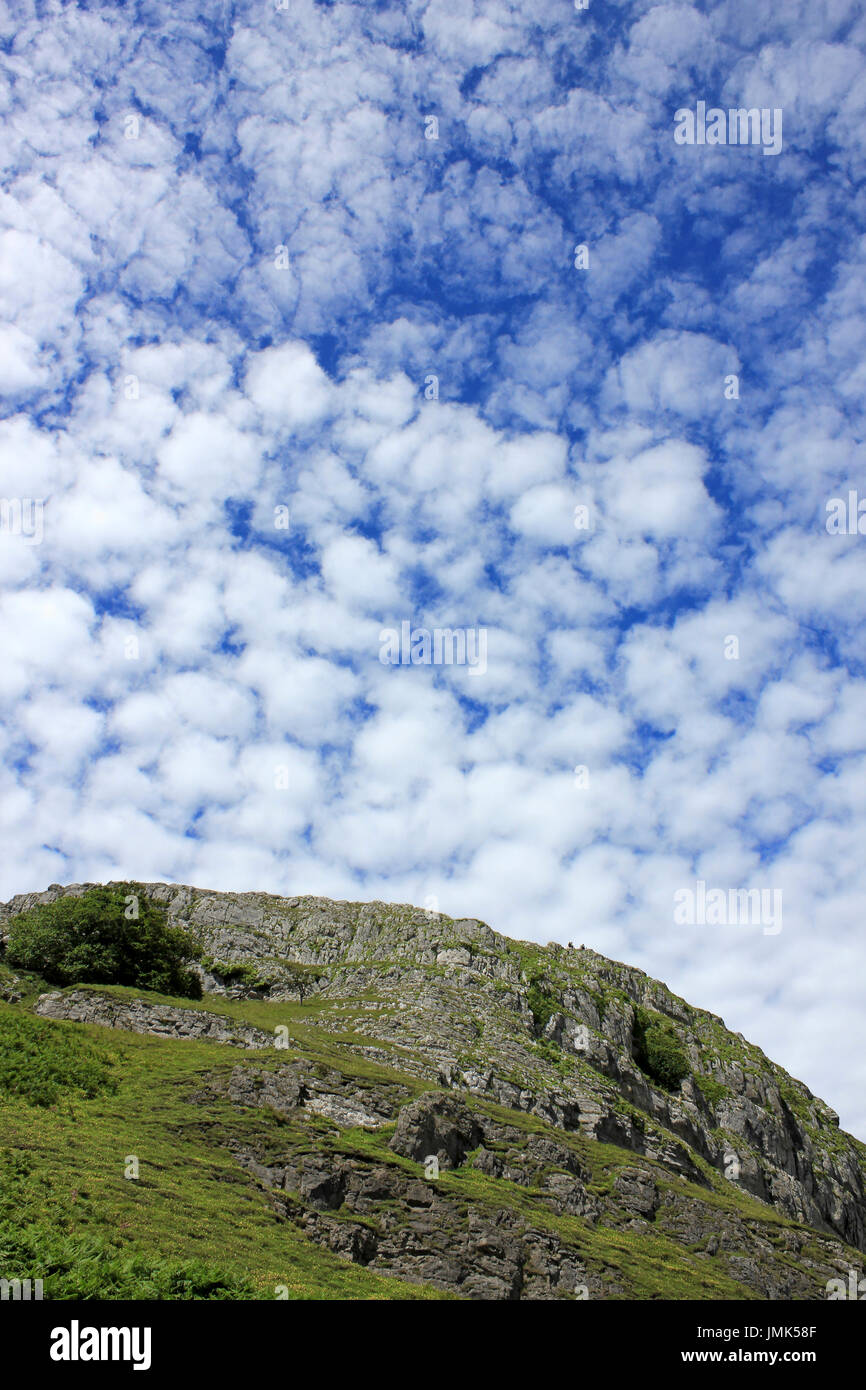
x: 520, y: 1067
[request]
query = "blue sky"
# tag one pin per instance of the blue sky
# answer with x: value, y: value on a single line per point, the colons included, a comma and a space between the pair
x: 231, y: 262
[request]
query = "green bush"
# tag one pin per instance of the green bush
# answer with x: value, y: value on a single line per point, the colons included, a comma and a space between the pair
x: 657, y: 1050
x: 112, y: 936
x: 232, y: 972
x: 541, y: 1003
x: 712, y: 1090
x: 252, y: 977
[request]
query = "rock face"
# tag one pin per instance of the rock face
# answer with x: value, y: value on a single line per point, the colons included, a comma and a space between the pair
x: 482, y: 1257
x: 437, y: 1126
x: 556, y: 1036
x: 401, y: 1223
x: 161, y: 1020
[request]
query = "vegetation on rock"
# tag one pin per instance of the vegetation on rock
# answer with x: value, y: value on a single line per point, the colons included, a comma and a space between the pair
x: 657, y: 1050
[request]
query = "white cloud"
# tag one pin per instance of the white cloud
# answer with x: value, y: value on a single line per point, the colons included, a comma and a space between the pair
x: 289, y: 385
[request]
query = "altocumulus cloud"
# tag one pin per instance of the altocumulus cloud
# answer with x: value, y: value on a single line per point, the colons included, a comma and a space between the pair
x: 298, y: 346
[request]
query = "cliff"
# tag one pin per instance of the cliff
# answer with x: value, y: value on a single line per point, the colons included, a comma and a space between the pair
x: 591, y: 1129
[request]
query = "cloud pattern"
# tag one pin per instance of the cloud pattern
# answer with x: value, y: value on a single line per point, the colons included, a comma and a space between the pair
x: 299, y: 345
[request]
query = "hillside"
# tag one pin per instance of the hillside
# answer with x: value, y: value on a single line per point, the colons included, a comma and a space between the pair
x: 596, y: 1136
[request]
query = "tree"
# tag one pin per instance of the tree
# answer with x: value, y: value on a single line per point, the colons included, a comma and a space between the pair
x: 109, y: 935
x: 300, y: 978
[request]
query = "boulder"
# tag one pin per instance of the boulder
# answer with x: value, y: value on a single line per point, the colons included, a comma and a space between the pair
x: 437, y: 1124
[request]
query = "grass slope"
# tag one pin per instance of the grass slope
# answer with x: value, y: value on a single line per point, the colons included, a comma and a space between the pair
x: 77, y: 1102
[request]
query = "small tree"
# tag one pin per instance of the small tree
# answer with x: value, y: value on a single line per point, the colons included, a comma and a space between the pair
x: 301, y: 978
x: 112, y: 935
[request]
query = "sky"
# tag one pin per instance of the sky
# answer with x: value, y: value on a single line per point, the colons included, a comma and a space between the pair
x: 323, y: 319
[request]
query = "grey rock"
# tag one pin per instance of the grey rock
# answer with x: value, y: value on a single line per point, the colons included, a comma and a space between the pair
x: 437, y: 1124
x: 140, y: 1016
x: 637, y: 1192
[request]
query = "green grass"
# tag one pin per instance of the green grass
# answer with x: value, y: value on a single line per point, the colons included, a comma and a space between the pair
x: 194, y: 1220
x: 79, y: 1101
x: 45, y: 1062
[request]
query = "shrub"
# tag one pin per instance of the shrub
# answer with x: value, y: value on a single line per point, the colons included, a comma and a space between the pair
x: 93, y: 939
x: 712, y: 1090
x: 657, y: 1050
x: 541, y: 1003
x: 232, y: 972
